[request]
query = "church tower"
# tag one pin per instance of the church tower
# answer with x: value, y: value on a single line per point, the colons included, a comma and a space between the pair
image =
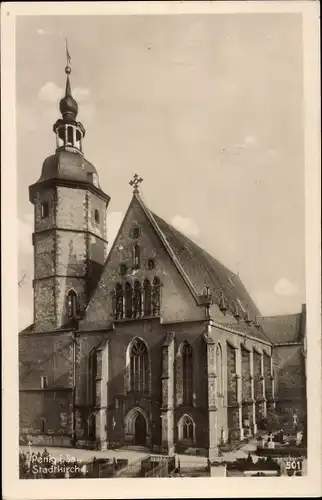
x: 69, y: 236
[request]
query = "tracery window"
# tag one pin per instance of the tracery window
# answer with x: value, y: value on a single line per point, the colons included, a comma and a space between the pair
x: 137, y: 300
x: 72, y: 306
x: 187, y: 373
x: 147, y: 298
x: 139, y: 366
x: 128, y: 300
x: 156, y: 297
x: 186, y: 429
x: 119, y: 301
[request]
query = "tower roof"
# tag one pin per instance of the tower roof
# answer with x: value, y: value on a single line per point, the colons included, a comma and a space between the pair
x: 66, y: 165
x: 68, y: 105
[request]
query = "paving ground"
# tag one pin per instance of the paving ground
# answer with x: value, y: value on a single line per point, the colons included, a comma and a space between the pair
x: 186, y: 461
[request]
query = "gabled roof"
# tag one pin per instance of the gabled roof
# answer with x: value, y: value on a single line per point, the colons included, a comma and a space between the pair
x: 198, y: 268
x: 284, y: 329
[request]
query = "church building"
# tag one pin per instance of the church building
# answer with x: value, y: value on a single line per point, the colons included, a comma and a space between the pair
x: 155, y: 345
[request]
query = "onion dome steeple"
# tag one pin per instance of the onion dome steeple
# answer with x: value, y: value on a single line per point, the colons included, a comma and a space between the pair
x: 69, y: 133
x: 68, y: 105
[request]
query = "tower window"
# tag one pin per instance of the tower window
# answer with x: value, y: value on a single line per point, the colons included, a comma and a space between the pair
x: 97, y: 216
x: 72, y: 307
x: 44, y: 210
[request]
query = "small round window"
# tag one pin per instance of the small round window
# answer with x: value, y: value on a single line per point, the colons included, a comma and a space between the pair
x: 151, y: 264
x: 123, y: 269
x: 136, y: 231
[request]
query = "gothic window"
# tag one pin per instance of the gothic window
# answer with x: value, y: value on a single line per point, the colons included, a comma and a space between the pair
x: 137, y: 299
x: 119, y: 301
x: 219, y: 370
x: 139, y: 366
x: 72, y: 304
x: 187, y: 373
x: 97, y: 216
x: 136, y: 256
x: 44, y: 210
x: 156, y: 297
x: 147, y: 298
x: 186, y: 429
x: 128, y: 300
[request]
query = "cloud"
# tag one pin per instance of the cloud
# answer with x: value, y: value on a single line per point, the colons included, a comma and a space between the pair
x: 113, y: 223
x: 80, y: 93
x: 185, y: 225
x: 43, y: 32
x: 50, y: 92
x: 285, y: 288
x: 249, y: 139
x: 247, y: 142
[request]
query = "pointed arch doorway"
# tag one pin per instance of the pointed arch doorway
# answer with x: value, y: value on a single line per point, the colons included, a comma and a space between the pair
x: 137, y: 428
x: 140, y: 430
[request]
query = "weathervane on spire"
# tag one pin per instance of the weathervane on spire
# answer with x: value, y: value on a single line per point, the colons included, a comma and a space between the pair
x: 68, y: 69
x: 135, y: 182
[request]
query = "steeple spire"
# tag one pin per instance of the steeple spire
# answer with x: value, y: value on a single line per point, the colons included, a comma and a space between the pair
x: 69, y: 133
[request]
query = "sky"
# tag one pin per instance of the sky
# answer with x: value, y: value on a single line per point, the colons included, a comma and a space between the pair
x: 208, y: 109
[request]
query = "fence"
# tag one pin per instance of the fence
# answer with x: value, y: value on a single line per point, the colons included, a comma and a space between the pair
x: 133, y: 469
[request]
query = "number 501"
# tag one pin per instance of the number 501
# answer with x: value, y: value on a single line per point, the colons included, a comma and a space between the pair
x: 294, y: 465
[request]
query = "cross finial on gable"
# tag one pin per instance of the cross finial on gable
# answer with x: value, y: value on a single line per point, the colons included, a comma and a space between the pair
x: 135, y: 182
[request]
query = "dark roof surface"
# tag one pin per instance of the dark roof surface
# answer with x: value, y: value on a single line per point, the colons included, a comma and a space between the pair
x: 203, y: 269
x: 283, y: 329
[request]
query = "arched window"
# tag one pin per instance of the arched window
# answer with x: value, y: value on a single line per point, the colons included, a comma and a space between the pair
x: 147, y: 298
x: 187, y: 373
x: 139, y: 366
x: 156, y: 297
x: 72, y: 306
x: 118, y: 301
x: 137, y: 300
x: 97, y: 216
x: 186, y: 429
x: 128, y: 300
x: 136, y: 256
x: 219, y: 370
